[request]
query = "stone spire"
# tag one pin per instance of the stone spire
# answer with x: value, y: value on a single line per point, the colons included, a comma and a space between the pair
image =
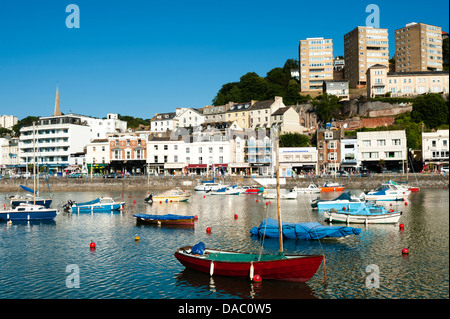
x: 57, y: 109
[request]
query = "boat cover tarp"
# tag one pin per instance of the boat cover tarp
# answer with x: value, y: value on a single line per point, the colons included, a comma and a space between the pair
x: 28, y: 189
x: 211, y: 181
x: 163, y: 217
x: 198, y: 248
x: 312, y: 230
x: 92, y: 202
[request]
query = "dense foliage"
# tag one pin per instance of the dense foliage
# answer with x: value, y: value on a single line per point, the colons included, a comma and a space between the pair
x: 294, y: 140
x: 251, y: 86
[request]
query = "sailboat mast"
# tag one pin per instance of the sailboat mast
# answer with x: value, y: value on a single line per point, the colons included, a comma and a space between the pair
x: 34, y: 167
x: 280, y: 231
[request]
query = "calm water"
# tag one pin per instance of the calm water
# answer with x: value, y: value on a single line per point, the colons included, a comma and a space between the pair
x: 34, y: 256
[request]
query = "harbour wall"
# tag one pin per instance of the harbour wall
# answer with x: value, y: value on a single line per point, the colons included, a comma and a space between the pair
x: 146, y: 183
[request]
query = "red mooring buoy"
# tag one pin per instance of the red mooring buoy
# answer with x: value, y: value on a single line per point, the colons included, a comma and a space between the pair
x: 92, y: 245
x: 208, y: 230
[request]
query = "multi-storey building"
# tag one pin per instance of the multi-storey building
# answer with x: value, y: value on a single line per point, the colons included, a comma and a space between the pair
x: 329, y: 149
x: 163, y: 122
x: 260, y: 112
x: 8, y: 121
x: 239, y: 112
x: 418, y: 47
x: 316, y: 63
x: 287, y: 120
x: 9, y: 148
x: 216, y: 113
x: 338, y: 88
x: 380, y: 82
x: 382, y: 149
x: 98, y: 155
x: 349, y: 154
x: 435, y: 149
x: 364, y: 47
x: 297, y: 159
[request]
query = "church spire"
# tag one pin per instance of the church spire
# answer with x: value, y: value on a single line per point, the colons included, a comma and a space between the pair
x: 57, y: 108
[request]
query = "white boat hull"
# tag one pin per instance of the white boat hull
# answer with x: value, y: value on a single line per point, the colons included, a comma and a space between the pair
x: 363, y: 219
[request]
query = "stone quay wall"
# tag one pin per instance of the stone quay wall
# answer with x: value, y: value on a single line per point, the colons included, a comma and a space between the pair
x: 189, y: 182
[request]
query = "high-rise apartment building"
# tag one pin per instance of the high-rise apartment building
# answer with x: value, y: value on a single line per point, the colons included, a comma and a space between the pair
x: 418, y: 47
x: 316, y: 63
x: 364, y: 47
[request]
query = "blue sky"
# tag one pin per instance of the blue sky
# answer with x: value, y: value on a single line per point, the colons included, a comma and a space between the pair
x: 141, y: 57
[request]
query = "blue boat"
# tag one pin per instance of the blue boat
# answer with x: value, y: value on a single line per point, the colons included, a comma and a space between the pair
x: 98, y: 205
x: 308, y: 231
x: 16, y: 200
x: 28, y: 212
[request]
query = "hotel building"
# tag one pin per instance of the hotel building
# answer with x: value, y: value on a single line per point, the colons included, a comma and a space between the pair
x: 364, y: 47
x: 418, y: 47
x: 316, y: 63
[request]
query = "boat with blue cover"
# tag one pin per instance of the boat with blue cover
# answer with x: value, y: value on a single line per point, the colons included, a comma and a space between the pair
x: 387, y: 192
x: 168, y: 219
x: 98, y: 205
x: 16, y: 200
x: 308, y: 231
x: 27, y: 212
x: 366, y: 213
x: 228, y: 190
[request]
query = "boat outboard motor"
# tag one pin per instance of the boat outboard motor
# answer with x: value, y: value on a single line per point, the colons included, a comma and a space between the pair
x: 149, y: 198
x: 68, y: 205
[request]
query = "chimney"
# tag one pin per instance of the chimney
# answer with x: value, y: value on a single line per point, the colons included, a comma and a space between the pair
x: 57, y: 111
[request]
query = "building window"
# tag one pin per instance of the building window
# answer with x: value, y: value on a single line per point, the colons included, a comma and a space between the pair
x: 396, y: 141
x: 366, y: 143
x: 381, y: 142
x: 166, y: 147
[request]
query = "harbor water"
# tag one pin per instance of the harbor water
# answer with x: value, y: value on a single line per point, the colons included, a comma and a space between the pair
x: 53, y: 260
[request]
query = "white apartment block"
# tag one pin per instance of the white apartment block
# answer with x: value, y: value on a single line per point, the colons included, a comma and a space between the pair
x: 435, y: 148
x: 189, y: 117
x: 163, y: 122
x: 298, y: 159
x: 260, y: 112
x: 56, y: 137
x: 316, y: 63
x: 8, y: 121
x: 9, y: 159
x: 387, y: 146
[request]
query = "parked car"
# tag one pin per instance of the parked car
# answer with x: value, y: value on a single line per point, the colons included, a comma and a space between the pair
x: 114, y: 175
x: 444, y: 169
x: 76, y: 175
x: 342, y: 173
x: 365, y: 173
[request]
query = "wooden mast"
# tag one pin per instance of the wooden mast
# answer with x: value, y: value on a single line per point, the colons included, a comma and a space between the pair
x: 280, y: 230
x: 34, y: 167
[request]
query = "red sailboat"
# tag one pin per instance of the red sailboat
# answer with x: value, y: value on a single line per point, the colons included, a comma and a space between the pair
x: 298, y: 268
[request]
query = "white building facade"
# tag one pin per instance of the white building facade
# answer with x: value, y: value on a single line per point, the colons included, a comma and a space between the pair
x: 435, y: 149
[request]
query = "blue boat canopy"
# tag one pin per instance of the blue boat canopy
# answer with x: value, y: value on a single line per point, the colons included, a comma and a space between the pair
x: 28, y: 189
x: 92, y: 202
x: 308, y: 231
x: 211, y: 181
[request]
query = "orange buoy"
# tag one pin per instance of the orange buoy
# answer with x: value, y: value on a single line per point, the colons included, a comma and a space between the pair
x: 208, y: 230
x: 391, y: 210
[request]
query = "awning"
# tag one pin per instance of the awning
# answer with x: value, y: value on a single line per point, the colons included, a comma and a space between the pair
x: 174, y: 165
x: 220, y: 165
x: 239, y: 165
x: 197, y: 165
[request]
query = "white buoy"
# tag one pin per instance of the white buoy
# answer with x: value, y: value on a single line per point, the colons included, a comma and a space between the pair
x: 252, y: 270
x: 211, y: 268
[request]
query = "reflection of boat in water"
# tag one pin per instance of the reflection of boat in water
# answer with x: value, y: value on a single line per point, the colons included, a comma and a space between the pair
x: 226, y: 287
x: 273, y: 195
x: 173, y: 195
x: 28, y: 212
x: 168, y: 219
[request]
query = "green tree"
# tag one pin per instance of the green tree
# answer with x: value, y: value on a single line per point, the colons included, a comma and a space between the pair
x: 431, y: 109
x: 294, y: 140
x: 324, y: 106
x: 27, y: 121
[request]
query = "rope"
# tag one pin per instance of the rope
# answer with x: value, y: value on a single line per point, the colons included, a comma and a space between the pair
x: 261, y: 241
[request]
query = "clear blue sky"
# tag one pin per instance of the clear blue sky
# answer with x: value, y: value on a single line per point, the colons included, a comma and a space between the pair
x: 141, y: 57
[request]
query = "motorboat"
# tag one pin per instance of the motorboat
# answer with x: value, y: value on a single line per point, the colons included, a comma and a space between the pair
x: 173, y: 195
x: 387, y: 192
x: 252, y: 190
x: 168, y: 219
x: 331, y: 187
x: 101, y: 204
x: 366, y: 213
x: 228, y: 190
x: 345, y: 200
x: 207, y: 187
x: 401, y: 187
x: 28, y: 212
x: 312, y: 188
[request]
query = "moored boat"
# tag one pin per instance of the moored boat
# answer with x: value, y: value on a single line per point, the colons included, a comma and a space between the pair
x: 229, y: 190
x: 168, y: 219
x: 297, y: 268
x: 28, y: 212
x: 273, y: 195
x: 312, y: 188
x: 388, y: 192
x: 206, y: 187
x: 331, y: 187
x: 365, y: 214
x: 173, y: 195
x: 346, y: 200
x: 101, y: 204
